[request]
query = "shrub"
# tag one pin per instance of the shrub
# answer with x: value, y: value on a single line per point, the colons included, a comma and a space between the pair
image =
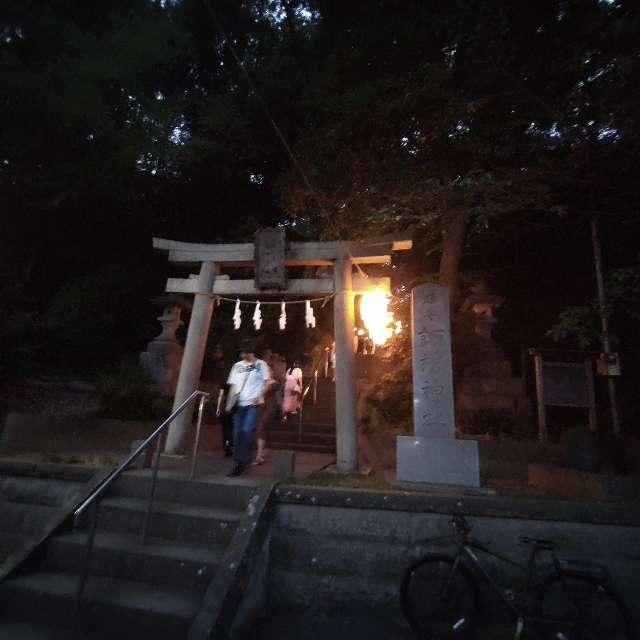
x: 94, y: 318
x: 21, y: 332
x: 391, y: 396
x: 126, y: 393
x: 491, y: 422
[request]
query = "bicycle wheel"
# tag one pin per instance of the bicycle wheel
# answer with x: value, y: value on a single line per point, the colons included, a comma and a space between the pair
x: 585, y: 608
x: 439, y: 598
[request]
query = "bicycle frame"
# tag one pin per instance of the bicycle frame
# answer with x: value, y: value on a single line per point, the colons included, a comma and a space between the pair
x: 518, y: 611
x: 523, y: 609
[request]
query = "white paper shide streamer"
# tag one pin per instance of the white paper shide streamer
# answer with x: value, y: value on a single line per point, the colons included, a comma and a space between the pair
x: 237, y: 316
x: 257, y: 317
x: 282, y: 320
x: 308, y: 315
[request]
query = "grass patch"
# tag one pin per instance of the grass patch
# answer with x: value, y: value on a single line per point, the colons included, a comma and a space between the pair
x: 56, y: 459
x: 103, y: 460
x: 343, y: 481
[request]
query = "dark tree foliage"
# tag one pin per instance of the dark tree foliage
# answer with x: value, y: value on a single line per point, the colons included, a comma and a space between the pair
x: 488, y: 129
x: 426, y: 113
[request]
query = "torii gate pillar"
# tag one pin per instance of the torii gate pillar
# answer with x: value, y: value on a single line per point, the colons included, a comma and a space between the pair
x: 194, y: 348
x: 346, y: 391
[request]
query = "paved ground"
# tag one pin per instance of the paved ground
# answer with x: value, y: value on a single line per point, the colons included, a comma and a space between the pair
x: 352, y: 624
x: 211, y: 466
x: 349, y: 624
x: 214, y: 467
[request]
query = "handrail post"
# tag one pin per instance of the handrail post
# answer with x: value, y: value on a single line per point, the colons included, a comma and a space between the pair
x: 300, y: 420
x: 152, y: 491
x: 98, y: 491
x: 315, y: 387
x: 203, y: 400
x: 85, y: 572
x: 93, y: 500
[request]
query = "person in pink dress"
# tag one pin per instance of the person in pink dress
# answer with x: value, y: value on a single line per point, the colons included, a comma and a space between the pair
x: 292, y: 390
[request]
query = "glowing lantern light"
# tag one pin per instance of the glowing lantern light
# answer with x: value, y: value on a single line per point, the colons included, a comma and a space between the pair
x: 374, y: 309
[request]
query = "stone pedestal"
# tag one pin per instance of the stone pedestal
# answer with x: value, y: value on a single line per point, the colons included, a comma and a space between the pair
x: 433, y: 455
x: 284, y: 465
x: 438, y: 461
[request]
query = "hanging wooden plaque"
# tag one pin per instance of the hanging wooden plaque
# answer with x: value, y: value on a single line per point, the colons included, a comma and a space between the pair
x: 269, y: 255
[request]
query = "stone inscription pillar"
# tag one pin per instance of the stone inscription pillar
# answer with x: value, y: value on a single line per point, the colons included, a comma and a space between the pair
x: 194, y: 349
x: 345, y: 371
x: 433, y: 455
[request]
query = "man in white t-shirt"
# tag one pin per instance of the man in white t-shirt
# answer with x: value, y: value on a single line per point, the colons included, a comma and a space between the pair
x: 248, y: 379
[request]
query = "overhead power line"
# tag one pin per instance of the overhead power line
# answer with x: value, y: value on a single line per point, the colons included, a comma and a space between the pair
x: 259, y: 97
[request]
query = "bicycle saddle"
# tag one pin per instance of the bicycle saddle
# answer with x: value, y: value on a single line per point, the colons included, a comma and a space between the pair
x: 541, y: 544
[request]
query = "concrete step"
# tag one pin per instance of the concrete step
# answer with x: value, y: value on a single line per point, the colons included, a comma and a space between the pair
x: 326, y: 403
x: 325, y: 390
x: 182, y: 491
x: 292, y: 426
x: 16, y: 630
x: 169, y: 520
x: 38, y: 491
x: 46, y: 470
x: 11, y: 542
x: 113, y: 608
x: 308, y: 437
x: 158, y: 562
x: 319, y: 414
x: 297, y: 446
x: 21, y: 518
x: 34, y: 500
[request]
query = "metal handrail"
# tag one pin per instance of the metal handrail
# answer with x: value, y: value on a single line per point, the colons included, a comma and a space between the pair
x: 113, y: 476
x: 99, y: 491
x: 314, y: 384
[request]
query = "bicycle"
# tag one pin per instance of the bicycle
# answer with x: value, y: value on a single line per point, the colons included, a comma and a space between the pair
x: 440, y: 595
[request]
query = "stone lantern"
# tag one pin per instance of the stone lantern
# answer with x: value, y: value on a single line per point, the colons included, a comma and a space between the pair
x: 487, y: 382
x: 489, y: 357
x: 163, y: 355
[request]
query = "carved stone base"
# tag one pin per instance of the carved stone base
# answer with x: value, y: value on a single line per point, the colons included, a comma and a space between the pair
x: 438, y: 461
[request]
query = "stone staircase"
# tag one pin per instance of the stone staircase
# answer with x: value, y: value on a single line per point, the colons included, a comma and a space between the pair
x: 318, y: 433
x: 34, y: 500
x: 133, y: 590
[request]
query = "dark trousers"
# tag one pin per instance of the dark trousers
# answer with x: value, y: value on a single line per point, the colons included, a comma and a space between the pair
x: 245, y: 420
x: 226, y: 420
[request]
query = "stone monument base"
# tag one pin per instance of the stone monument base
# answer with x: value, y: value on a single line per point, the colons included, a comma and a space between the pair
x: 438, y: 461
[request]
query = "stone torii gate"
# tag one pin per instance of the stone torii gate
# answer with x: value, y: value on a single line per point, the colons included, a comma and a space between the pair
x: 344, y: 286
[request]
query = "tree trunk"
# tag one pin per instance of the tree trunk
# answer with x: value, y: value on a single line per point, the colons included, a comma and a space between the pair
x: 453, y: 242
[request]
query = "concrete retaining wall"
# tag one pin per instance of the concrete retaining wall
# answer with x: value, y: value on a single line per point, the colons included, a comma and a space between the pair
x: 332, y: 547
x: 76, y: 434
x: 48, y: 433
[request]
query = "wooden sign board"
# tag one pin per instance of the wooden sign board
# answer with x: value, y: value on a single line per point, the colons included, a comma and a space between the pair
x: 270, y: 257
x: 563, y: 384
